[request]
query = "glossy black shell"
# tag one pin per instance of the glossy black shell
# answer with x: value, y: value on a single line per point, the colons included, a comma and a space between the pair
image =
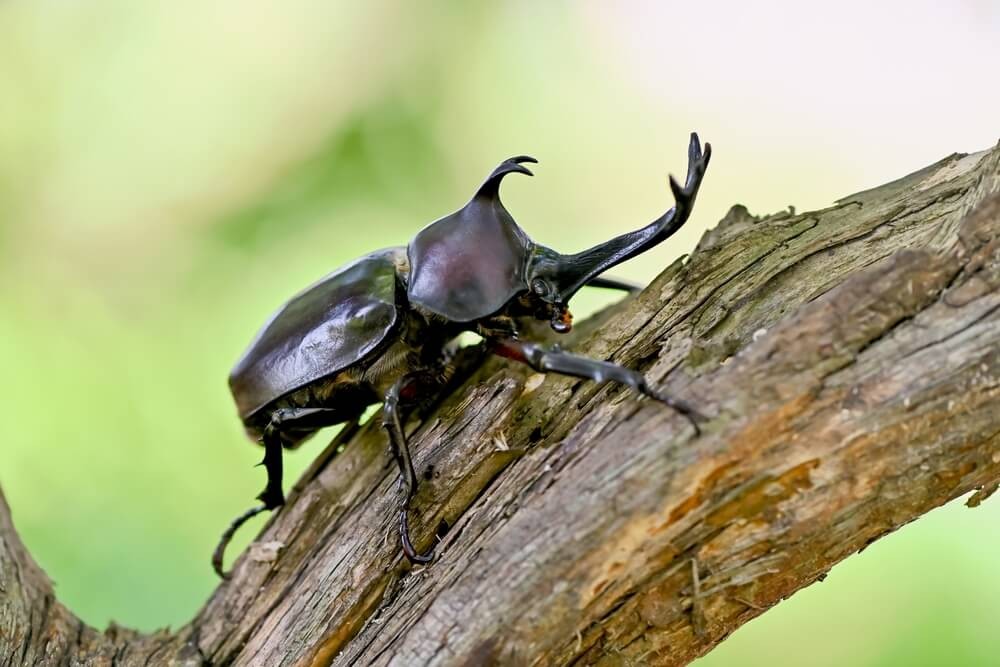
x: 328, y: 327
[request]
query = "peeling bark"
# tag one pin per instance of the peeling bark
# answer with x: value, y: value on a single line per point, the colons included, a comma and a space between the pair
x: 847, y: 360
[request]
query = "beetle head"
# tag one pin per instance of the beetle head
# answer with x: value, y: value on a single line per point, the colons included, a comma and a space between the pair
x: 476, y: 261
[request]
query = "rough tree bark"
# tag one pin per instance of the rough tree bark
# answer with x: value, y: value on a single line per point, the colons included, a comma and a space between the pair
x: 849, y: 363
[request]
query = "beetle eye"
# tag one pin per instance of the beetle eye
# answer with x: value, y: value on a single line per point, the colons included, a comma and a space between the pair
x: 539, y: 287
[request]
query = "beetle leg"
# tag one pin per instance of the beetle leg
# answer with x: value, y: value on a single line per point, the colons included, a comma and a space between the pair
x: 282, y: 422
x: 272, y: 496
x: 227, y: 536
x: 500, y: 326
x: 393, y: 423
x: 564, y: 363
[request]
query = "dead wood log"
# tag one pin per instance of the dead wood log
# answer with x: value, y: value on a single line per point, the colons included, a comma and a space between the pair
x: 848, y: 360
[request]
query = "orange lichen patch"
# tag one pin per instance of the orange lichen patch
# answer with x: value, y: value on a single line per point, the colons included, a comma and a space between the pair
x: 764, y: 494
x: 954, y: 477
x: 632, y: 544
x: 752, y: 502
x: 703, y: 491
x: 915, y: 433
x: 770, y: 429
x: 763, y: 430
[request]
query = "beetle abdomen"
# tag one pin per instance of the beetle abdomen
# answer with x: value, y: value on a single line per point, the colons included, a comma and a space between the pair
x: 344, y: 394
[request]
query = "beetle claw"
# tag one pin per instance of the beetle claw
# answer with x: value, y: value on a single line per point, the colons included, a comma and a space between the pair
x: 227, y: 536
x: 684, y: 409
x: 411, y: 553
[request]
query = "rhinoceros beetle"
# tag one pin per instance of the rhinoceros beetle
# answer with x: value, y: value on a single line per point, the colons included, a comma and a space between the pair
x: 375, y: 331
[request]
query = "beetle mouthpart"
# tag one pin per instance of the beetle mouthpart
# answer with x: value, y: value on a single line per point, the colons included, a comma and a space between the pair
x: 562, y: 321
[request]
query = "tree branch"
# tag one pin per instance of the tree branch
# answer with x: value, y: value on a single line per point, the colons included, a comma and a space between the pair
x: 847, y: 360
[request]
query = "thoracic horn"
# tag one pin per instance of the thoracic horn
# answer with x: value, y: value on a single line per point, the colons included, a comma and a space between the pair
x: 491, y: 187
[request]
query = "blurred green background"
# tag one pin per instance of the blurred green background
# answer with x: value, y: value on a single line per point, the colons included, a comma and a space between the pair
x: 170, y: 172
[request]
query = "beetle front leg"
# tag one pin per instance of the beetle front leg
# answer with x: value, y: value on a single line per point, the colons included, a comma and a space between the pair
x: 500, y: 326
x: 564, y: 363
x: 393, y: 423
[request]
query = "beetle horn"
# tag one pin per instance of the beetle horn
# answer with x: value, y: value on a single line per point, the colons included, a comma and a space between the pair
x: 574, y: 271
x: 491, y: 187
